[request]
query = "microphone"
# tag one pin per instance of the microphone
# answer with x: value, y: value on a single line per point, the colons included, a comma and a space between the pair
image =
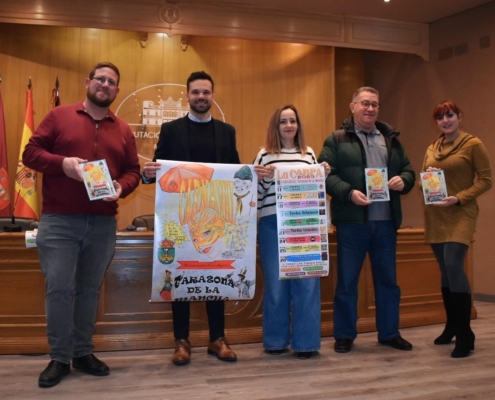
x: 13, y: 227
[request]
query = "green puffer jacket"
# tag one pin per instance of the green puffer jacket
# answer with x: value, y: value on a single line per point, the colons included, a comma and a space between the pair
x: 344, y: 152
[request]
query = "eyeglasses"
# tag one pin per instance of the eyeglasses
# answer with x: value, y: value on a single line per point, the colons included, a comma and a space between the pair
x: 366, y: 104
x: 101, y: 80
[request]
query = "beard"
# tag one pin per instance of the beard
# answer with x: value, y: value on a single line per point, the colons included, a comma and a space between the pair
x: 203, y: 108
x: 97, y: 101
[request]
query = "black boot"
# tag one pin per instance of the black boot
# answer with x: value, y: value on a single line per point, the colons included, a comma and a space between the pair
x: 449, y: 330
x: 464, y: 342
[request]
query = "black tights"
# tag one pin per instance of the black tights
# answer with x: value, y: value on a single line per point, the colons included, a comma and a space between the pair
x: 450, y: 257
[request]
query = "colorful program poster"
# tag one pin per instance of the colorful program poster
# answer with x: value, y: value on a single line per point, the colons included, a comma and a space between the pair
x: 302, y: 222
x: 205, y: 232
x: 434, y: 186
x: 377, y: 184
x: 97, y: 179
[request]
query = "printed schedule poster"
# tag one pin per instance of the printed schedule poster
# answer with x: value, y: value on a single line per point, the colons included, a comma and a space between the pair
x: 302, y: 216
x: 205, y: 232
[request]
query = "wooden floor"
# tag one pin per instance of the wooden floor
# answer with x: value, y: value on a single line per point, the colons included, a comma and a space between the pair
x: 369, y: 371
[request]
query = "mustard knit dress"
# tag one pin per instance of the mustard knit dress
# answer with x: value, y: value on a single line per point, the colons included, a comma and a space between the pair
x: 462, y: 161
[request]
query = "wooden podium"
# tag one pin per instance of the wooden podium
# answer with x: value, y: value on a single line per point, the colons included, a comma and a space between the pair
x: 127, y: 320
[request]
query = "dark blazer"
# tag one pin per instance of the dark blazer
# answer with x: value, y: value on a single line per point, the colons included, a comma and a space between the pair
x: 173, y: 143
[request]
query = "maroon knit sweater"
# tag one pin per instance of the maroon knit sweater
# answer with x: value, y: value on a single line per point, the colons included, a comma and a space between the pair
x: 68, y: 131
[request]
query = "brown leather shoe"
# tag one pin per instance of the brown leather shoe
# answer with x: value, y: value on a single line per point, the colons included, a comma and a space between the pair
x: 221, y: 349
x: 182, y: 355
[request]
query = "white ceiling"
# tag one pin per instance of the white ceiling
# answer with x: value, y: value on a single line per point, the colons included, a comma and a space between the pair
x: 425, y: 11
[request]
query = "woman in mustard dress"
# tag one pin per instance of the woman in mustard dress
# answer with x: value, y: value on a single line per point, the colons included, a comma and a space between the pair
x: 450, y: 224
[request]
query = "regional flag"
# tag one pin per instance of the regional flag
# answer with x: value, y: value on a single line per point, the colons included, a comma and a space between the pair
x: 4, y: 168
x: 26, y: 196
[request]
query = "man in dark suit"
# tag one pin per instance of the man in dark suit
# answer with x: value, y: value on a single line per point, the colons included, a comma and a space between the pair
x: 199, y: 138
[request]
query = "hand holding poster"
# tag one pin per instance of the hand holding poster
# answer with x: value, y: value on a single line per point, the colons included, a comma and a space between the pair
x: 205, y: 232
x: 302, y: 222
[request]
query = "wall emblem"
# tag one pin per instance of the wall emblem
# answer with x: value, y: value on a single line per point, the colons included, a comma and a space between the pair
x: 146, y: 109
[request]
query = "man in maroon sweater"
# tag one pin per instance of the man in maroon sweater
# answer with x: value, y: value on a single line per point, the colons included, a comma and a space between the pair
x: 76, y: 236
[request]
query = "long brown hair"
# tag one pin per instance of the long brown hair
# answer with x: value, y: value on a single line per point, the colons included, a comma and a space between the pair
x: 273, y: 144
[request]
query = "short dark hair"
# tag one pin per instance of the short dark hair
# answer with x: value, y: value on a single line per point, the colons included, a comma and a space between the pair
x: 105, y: 65
x: 200, y: 75
x: 368, y: 89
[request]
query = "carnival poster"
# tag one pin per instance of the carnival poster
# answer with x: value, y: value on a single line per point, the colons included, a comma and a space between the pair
x: 302, y: 216
x: 205, y: 232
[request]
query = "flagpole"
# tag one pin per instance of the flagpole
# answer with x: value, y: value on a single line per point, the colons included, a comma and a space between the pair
x: 56, y: 94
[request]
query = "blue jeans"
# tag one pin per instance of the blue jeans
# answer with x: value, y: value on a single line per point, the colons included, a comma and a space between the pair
x: 74, y: 252
x: 291, y: 308
x: 379, y: 239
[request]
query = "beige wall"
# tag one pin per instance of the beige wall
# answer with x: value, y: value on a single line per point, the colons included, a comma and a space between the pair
x: 410, y: 88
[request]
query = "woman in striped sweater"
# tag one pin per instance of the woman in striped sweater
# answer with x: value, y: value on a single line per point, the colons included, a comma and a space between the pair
x: 291, y: 308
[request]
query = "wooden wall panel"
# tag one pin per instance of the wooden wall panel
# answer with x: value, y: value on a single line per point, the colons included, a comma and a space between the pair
x: 349, y: 75
x: 252, y: 78
x: 127, y: 320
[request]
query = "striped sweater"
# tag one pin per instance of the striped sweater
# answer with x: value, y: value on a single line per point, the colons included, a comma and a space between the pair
x: 266, y: 187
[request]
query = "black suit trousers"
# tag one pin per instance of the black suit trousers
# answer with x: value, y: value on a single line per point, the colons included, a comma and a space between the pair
x: 181, y: 311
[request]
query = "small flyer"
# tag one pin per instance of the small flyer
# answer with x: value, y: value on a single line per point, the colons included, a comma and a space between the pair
x: 97, y: 179
x: 30, y: 238
x: 434, y: 186
x: 377, y: 184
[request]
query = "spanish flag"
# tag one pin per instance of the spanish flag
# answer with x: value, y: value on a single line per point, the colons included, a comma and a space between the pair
x: 26, y: 196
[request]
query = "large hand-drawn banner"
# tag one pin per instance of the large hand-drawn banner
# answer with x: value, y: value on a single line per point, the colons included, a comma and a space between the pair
x: 302, y: 222
x: 205, y: 232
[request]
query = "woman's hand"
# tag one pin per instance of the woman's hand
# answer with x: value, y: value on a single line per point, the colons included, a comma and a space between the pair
x: 265, y: 171
x: 447, y: 202
x: 327, y: 167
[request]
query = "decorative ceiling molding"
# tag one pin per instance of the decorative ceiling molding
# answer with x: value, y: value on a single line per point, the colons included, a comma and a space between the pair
x: 216, y: 18
x: 378, y: 34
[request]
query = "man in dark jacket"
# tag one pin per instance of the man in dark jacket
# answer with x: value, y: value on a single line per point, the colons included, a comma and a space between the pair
x: 199, y: 138
x: 364, y: 226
